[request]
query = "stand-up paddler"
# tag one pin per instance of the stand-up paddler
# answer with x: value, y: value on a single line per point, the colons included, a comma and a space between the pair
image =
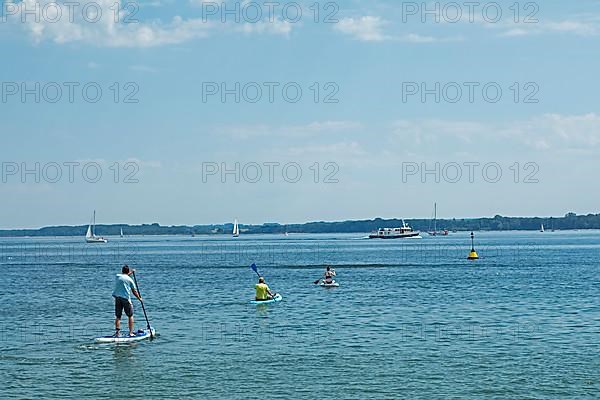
x: 124, y: 287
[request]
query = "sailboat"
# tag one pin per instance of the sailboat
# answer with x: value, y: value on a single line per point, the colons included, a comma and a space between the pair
x: 90, y: 236
x: 236, y: 229
x: 435, y: 231
x: 542, y: 229
x: 121, y: 232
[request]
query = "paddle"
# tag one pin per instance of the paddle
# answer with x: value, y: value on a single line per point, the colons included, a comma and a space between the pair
x: 143, y: 308
x: 255, y: 269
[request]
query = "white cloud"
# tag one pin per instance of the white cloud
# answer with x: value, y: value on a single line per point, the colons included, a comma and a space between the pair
x: 340, y: 150
x: 561, y: 131
x: 428, y: 132
x: 416, y: 38
x: 278, y: 27
x: 585, y: 27
x: 554, y: 132
x: 108, y: 32
x: 306, y: 130
x: 367, y: 28
x: 371, y: 29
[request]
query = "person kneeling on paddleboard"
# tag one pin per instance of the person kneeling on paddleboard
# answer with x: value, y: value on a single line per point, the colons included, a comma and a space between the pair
x: 329, y: 274
x: 124, y: 286
x: 263, y: 293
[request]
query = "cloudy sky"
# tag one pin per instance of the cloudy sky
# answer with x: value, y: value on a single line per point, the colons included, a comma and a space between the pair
x: 196, y: 112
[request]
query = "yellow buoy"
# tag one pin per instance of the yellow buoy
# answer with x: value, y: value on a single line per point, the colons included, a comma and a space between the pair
x: 473, y: 254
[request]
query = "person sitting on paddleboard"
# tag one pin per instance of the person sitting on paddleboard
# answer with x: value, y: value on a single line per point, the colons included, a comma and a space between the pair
x: 263, y: 293
x: 329, y: 274
x: 124, y: 286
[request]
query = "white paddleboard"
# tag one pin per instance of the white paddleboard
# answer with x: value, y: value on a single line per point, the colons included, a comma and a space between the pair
x: 326, y: 285
x: 142, y: 334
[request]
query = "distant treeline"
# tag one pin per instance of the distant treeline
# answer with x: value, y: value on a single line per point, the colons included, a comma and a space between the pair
x: 498, y: 223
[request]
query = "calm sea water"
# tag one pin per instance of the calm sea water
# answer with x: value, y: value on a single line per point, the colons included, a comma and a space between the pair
x: 412, y: 318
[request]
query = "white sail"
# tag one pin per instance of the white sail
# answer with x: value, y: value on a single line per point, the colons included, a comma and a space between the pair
x: 542, y: 229
x: 90, y: 236
x: 236, y: 229
x: 121, y: 232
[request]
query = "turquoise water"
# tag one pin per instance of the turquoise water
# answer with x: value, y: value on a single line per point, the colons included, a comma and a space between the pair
x: 412, y: 318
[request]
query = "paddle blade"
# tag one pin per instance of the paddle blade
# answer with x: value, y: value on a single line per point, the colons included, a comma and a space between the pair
x: 317, y: 281
x: 253, y: 266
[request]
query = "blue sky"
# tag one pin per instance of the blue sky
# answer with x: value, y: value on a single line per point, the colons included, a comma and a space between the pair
x: 366, y: 59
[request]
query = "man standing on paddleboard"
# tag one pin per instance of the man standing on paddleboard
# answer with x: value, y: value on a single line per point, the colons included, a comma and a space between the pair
x: 124, y: 286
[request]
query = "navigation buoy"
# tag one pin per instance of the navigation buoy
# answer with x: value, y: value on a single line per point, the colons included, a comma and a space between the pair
x: 473, y: 254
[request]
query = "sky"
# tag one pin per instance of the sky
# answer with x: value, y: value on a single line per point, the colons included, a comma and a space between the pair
x: 199, y: 112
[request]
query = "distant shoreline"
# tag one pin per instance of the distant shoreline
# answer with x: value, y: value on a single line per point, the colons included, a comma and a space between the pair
x: 570, y: 221
x: 225, y: 235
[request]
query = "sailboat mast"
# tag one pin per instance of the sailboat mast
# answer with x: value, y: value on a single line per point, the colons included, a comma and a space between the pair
x: 435, y: 217
x: 94, y: 224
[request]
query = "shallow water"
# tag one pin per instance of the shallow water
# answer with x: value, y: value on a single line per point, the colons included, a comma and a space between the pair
x: 412, y: 318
